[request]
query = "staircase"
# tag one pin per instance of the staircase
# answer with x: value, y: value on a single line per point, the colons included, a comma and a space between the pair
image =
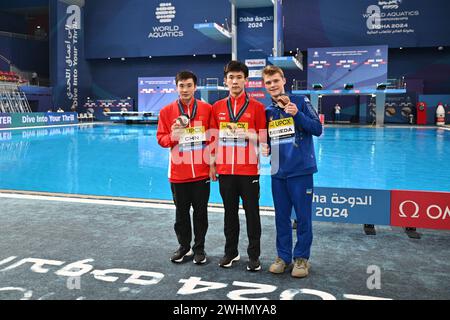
x: 12, y: 100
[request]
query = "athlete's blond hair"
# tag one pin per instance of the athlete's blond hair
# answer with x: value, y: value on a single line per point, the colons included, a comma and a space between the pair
x: 271, y: 70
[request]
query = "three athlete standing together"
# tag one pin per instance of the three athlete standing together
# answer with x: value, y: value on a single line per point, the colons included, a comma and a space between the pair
x: 222, y: 142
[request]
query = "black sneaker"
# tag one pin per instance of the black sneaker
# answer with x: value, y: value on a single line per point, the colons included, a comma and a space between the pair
x: 200, y: 258
x: 179, y: 255
x: 253, y: 265
x: 227, y: 262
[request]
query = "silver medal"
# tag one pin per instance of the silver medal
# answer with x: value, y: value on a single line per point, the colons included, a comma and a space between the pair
x: 183, y: 121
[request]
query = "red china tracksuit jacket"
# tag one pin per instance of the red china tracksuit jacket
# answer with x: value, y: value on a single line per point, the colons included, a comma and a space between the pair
x: 189, y: 161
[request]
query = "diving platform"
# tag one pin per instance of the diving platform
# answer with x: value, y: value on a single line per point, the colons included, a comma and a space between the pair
x: 287, y: 62
x: 214, y: 31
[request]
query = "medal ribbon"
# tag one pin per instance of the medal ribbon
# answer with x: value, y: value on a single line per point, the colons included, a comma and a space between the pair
x: 194, y: 110
x: 234, y: 118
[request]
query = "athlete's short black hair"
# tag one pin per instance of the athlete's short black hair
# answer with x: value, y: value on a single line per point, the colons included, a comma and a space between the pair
x: 185, y: 75
x: 235, y: 66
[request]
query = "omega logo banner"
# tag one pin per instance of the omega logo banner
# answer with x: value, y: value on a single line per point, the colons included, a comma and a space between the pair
x: 420, y: 209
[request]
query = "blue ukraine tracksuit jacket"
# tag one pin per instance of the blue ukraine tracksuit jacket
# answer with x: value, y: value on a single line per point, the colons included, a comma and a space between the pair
x: 293, y: 163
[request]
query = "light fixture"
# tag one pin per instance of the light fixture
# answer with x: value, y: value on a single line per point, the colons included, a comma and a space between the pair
x: 401, y: 48
x: 123, y: 59
x: 38, y: 27
x: 348, y: 86
x: 150, y: 57
x: 440, y: 48
x: 317, y: 86
x: 381, y: 86
x: 214, y: 56
x: 109, y: 58
x: 193, y: 55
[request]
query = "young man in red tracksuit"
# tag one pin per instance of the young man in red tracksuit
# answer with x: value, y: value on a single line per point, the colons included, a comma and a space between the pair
x: 239, y: 122
x: 183, y: 127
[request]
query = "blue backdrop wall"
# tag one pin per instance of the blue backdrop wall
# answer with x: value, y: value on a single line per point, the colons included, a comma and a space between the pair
x: 119, y: 79
x: 139, y: 28
x: 130, y: 28
x: 121, y: 29
x: 397, y: 23
x: 27, y: 55
x: 429, y: 64
x: 24, y: 4
x: 10, y: 22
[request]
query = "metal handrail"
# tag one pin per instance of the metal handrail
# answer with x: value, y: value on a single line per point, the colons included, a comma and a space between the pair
x: 22, y: 36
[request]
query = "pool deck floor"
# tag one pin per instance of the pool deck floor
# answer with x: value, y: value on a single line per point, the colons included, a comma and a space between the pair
x: 123, y: 249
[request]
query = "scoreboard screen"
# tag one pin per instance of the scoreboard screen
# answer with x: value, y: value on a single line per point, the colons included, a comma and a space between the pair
x: 156, y: 92
x: 363, y: 67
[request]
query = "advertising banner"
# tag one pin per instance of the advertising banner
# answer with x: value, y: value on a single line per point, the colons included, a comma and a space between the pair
x: 396, y: 23
x: 255, y: 33
x: 5, y: 120
x: 68, y: 68
x: 420, y: 209
x: 400, y: 108
x: 19, y: 120
x: 358, y: 206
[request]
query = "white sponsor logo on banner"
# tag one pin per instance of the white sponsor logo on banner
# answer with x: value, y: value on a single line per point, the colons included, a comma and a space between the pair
x: 165, y: 13
x: 255, y: 62
x: 386, y: 17
x: 255, y: 84
x: 255, y: 73
x: 433, y: 211
x: 390, y: 4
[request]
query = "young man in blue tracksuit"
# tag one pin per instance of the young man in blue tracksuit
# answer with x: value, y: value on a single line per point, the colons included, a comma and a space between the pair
x: 291, y: 126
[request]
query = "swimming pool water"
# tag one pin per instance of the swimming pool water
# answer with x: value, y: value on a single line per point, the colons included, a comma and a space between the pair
x: 126, y: 161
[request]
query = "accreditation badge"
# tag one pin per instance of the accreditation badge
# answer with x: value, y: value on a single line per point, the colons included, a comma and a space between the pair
x: 192, y: 138
x: 281, y: 130
x: 230, y: 133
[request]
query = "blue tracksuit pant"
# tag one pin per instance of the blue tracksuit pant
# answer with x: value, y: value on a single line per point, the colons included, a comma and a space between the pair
x: 297, y: 193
